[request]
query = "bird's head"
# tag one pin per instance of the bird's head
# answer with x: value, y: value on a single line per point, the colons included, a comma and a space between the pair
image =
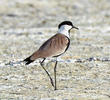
x: 67, y: 25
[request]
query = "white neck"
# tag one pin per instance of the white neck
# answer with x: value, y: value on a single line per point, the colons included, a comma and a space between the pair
x: 65, y: 30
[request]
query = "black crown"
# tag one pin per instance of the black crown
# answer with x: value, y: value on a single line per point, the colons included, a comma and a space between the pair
x: 65, y: 23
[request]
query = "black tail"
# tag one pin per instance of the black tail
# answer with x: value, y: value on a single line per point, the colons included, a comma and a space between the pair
x: 28, y: 60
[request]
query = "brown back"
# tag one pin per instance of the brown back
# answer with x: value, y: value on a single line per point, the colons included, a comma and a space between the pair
x: 52, y: 47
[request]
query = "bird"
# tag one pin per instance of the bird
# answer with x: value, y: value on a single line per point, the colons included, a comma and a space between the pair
x: 54, y: 47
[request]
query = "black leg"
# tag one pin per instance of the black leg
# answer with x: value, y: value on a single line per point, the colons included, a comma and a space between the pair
x: 55, y: 74
x: 41, y: 63
x: 47, y: 72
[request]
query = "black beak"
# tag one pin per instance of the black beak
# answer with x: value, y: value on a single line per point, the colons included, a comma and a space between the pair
x: 75, y: 27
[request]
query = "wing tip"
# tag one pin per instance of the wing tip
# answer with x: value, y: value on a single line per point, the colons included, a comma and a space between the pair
x: 28, y: 61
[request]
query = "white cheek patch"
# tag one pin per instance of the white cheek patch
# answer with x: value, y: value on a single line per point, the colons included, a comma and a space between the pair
x: 65, y: 30
x: 67, y: 27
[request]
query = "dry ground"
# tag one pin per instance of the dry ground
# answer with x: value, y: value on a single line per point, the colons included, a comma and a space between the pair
x: 83, y: 73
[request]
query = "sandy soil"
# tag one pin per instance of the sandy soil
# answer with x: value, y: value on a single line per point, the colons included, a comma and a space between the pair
x: 83, y: 72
